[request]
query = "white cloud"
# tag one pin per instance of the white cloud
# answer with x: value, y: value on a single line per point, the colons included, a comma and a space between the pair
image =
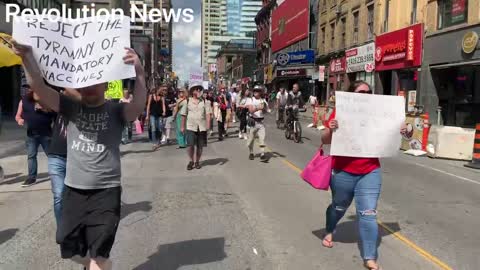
x: 189, y: 34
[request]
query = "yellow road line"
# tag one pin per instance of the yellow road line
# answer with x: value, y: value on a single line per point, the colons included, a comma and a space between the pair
x: 397, y: 235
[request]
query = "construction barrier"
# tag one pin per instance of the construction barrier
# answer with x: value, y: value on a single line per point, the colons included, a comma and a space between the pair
x: 475, y: 164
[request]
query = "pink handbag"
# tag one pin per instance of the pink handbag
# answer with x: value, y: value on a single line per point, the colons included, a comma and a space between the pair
x: 138, y: 127
x: 318, y: 171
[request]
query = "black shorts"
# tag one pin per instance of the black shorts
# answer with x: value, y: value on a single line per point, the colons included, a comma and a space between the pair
x: 198, y: 139
x: 89, y: 221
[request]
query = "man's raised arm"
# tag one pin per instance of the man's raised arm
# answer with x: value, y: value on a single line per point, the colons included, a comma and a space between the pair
x: 48, y: 97
x: 134, y: 109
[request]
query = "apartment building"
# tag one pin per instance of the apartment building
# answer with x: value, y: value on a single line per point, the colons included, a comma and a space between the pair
x: 346, y: 33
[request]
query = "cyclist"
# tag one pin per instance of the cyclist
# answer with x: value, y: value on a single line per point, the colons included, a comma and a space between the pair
x: 281, y: 103
x: 295, y: 101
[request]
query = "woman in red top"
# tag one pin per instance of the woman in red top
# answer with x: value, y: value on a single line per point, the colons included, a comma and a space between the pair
x: 359, y: 178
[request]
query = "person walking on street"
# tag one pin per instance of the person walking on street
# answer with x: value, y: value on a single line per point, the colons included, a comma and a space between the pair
x: 257, y: 107
x: 355, y: 178
x: 57, y: 158
x: 156, y: 110
x: 211, y: 98
x: 91, y: 201
x: 242, y: 112
x: 181, y: 102
x: 127, y: 132
x: 195, y: 123
x: 281, y: 103
x: 222, y: 101
x: 168, y: 124
x: 39, y: 122
x: 233, y: 102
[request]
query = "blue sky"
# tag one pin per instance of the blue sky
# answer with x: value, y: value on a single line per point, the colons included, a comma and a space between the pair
x: 187, y: 39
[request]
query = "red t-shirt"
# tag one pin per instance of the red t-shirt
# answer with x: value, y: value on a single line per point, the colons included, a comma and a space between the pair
x: 353, y: 165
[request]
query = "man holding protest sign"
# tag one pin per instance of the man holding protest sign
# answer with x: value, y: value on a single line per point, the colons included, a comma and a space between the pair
x: 91, y: 199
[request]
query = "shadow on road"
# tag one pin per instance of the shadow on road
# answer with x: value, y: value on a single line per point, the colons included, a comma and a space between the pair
x: 347, y: 232
x: 7, y: 235
x: 128, y: 209
x: 128, y: 152
x: 18, y: 177
x: 215, y: 161
x: 175, y: 255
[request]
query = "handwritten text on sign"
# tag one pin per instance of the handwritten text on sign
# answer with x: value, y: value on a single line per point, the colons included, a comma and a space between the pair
x: 369, y: 125
x: 78, y: 53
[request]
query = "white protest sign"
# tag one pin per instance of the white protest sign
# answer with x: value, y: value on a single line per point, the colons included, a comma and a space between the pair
x: 369, y: 125
x: 196, y: 77
x: 78, y: 53
x: 205, y: 85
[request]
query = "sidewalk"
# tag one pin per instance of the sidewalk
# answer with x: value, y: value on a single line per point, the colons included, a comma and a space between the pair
x: 12, y: 139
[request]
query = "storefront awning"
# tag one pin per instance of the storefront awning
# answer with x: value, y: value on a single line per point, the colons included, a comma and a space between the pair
x: 7, y: 57
x: 474, y: 62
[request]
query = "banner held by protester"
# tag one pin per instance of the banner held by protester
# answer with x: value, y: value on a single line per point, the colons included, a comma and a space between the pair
x: 78, y: 53
x: 368, y: 125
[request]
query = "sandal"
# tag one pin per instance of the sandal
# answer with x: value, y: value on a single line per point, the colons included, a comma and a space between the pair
x: 327, y: 243
x: 372, y: 267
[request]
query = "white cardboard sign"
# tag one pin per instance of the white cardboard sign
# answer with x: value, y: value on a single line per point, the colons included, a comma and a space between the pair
x: 78, y: 53
x: 369, y: 125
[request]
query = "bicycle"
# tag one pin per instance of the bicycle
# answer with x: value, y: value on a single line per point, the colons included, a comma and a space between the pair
x: 293, y: 128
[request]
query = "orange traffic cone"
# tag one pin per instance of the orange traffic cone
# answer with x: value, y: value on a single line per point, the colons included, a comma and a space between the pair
x: 475, y: 164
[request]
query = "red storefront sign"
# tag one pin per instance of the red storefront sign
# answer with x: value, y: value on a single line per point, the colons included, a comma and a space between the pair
x: 338, y: 65
x: 290, y: 23
x: 399, y: 49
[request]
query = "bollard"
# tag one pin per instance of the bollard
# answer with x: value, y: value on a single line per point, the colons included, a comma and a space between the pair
x: 475, y: 164
x: 426, y: 130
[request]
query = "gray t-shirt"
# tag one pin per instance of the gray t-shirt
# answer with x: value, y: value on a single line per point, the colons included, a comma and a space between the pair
x: 93, y: 141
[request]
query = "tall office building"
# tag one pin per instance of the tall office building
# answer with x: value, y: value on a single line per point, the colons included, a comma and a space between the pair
x: 248, y: 11
x: 224, y: 20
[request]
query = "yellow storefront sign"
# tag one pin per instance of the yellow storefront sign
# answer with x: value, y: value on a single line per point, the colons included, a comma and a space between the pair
x: 7, y: 57
x: 115, y: 90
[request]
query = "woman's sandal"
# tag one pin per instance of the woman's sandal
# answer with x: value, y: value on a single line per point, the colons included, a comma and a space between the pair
x: 375, y: 267
x: 327, y: 243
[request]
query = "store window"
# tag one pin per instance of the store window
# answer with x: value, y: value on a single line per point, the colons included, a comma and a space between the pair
x: 355, y: 27
x: 452, y: 12
x: 458, y: 92
x: 370, y: 21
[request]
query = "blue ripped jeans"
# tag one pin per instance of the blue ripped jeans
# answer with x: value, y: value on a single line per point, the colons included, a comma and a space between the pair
x: 366, y: 191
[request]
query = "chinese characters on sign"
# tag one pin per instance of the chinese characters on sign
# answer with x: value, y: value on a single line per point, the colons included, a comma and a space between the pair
x: 361, y: 58
x: 338, y: 65
x: 411, y: 45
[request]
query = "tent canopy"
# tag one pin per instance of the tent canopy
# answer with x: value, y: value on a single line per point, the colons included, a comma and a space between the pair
x: 7, y: 57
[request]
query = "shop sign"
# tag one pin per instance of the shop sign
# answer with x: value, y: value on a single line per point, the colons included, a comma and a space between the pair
x: 361, y: 58
x: 301, y: 57
x: 269, y: 73
x: 469, y: 42
x: 459, y: 9
x: 338, y: 65
x: 321, y: 73
x: 298, y: 72
x: 399, y: 49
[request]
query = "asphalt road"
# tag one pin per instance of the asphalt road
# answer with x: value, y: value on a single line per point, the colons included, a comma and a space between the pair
x: 241, y: 214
